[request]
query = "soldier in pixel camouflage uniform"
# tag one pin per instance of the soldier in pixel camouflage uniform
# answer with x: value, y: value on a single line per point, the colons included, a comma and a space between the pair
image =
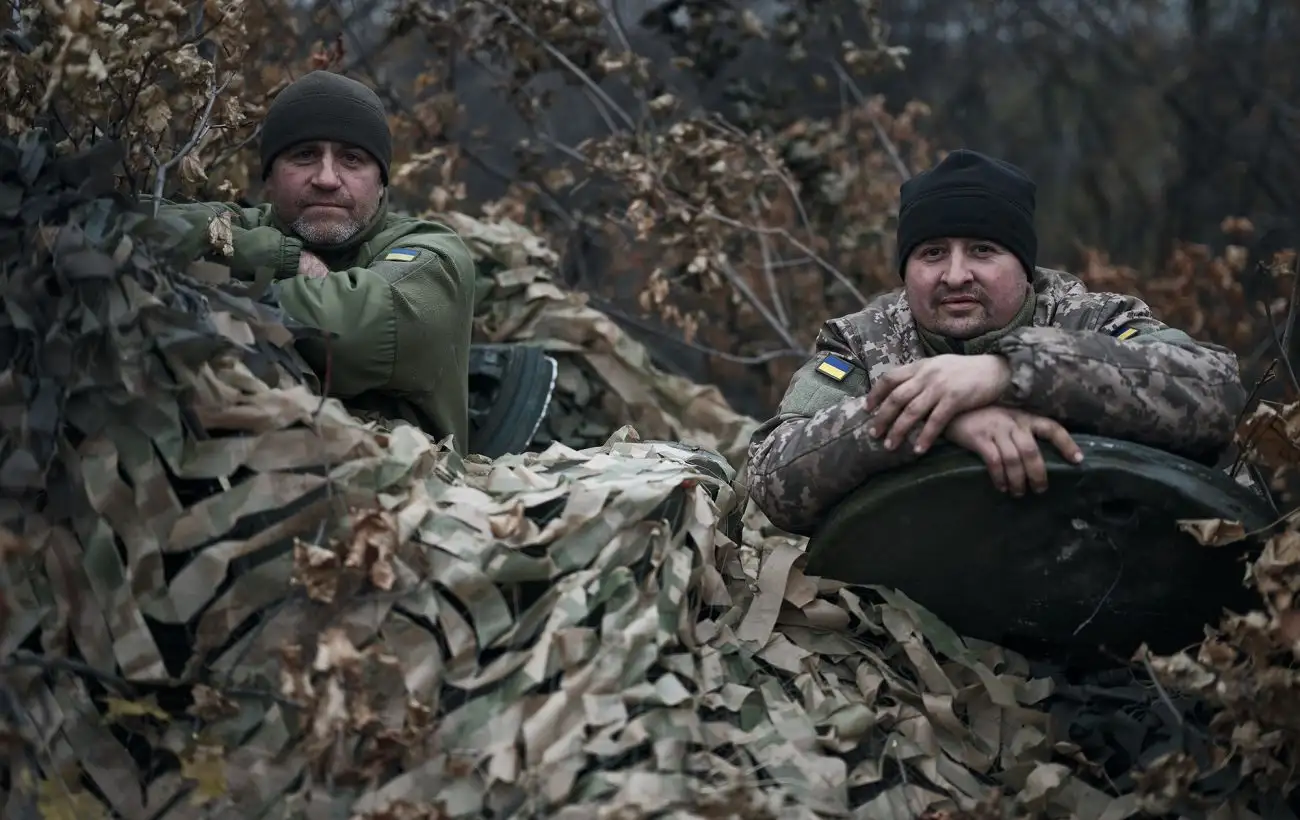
x: 987, y: 350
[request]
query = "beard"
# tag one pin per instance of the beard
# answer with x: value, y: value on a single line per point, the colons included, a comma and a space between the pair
x: 334, y: 230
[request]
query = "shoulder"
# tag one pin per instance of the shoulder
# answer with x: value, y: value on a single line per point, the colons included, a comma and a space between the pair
x: 1064, y: 301
x: 412, y: 239
x: 878, y: 336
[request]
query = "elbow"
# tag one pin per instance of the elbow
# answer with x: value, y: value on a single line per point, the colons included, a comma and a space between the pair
x: 775, y: 492
x: 1210, y: 411
x: 1222, y: 412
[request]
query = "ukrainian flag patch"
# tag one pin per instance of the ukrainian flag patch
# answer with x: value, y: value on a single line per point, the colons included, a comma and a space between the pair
x: 834, y: 367
x: 402, y: 255
x: 1124, y: 333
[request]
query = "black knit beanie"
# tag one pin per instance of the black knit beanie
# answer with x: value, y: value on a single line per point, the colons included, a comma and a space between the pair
x: 327, y: 106
x: 969, y: 195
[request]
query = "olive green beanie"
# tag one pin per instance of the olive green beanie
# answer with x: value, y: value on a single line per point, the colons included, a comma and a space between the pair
x: 326, y: 106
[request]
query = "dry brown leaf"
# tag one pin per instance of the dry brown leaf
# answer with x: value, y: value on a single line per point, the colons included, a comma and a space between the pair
x: 1213, y: 532
x: 372, y: 546
x: 317, y: 569
x: 119, y: 708
x: 221, y: 234
x: 205, y: 764
x: 1271, y: 434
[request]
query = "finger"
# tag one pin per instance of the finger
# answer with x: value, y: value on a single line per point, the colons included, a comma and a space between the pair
x: 887, y: 383
x: 1060, y: 438
x: 917, y: 409
x: 988, y: 450
x: 1011, y: 463
x: 940, y: 416
x: 889, y: 409
x: 1032, y: 459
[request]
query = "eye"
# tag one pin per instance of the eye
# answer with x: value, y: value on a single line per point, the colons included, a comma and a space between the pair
x: 983, y: 249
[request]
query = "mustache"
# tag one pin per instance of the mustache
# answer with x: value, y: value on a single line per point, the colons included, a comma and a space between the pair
x: 307, y: 203
x: 975, y: 292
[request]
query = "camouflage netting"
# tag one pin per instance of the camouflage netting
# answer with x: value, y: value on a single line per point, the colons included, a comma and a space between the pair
x: 606, y: 379
x: 226, y: 598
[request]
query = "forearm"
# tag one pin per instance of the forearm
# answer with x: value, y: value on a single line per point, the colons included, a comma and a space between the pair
x: 253, y: 246
x: 354, y: 306
x: 806, y: 465
x: 1178, y: 396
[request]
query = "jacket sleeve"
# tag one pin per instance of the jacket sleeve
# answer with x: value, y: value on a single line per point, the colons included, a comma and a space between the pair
x: 402, y: 324
x: 1124, y: 374
x: 816, y: 450
x: 254, y: 246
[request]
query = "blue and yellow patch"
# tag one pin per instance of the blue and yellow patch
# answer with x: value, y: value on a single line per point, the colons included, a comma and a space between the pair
x: 834, y: 367
x: 1124, y: 332
x: 402, y: 255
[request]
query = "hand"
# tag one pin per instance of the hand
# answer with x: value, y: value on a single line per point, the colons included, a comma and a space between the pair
x: 1007, y: 441
x: 936, y: 389
x: 309, y: 265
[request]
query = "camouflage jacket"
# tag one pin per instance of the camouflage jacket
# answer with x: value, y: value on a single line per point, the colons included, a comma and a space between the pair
x: 1099, y: 363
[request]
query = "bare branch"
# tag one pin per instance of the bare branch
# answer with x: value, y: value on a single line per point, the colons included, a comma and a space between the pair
x: 739, y: 283
x: 200, y: 131
x: 778, y: 304
x: 885, y: 141
x: 559, y: 56
x: 760, y: 358
x: 782, y: 232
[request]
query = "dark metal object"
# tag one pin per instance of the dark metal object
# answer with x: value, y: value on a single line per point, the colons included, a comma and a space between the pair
x: 1095, y: 562
x: 510, y: 388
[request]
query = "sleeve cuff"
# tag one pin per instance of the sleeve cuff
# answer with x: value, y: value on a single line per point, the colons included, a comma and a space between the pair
x: 1019, y: 359
x: 290, y: 256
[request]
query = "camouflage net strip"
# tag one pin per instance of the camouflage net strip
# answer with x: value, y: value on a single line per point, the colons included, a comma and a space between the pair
x: 226, y: 598
x: 606, y: 378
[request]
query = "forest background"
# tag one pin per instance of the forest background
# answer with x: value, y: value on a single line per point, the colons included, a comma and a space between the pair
x: 721, y: 177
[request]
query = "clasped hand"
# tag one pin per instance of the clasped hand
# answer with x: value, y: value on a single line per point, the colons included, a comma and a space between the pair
x: 955, y: 396
x: 310, y: 265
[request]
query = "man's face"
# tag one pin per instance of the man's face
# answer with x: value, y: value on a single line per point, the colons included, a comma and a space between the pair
x: 326, y: 192
x: 961, y: 288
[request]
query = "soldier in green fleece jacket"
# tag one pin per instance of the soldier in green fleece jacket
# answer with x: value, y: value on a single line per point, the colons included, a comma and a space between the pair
x: 397, y: 292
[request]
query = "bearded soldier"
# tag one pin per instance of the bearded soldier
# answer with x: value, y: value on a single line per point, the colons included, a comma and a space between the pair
x: 986, y: 350
x: 397, y: 292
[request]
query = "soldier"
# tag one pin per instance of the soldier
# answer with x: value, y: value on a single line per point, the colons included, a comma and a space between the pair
x: 398, y: 291
x: 989, y: 351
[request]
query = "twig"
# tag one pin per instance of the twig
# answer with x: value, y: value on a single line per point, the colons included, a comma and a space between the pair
x: 760, y: 358
x: 201, y: 129
x: 1240, y: 460
x: 1291, y: 310
x: 235, y: 149
x: 601, y: 110
x: 711, y: 213
x: 564, y: 61
x: 1286, y: 362
x: 739, y: 283
x: 790, y: 186
x: 778, y: 304
x: 888, y: 144
x: 1160, y: 690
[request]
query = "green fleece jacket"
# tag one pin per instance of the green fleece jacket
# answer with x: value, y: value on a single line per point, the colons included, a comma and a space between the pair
x: 399, y: 300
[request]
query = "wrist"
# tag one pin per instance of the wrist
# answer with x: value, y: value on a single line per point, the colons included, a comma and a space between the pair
x: 290, y: 257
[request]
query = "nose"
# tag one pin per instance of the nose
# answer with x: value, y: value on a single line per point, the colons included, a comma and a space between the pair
x: 957, y: 273
x: 326, y: 175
